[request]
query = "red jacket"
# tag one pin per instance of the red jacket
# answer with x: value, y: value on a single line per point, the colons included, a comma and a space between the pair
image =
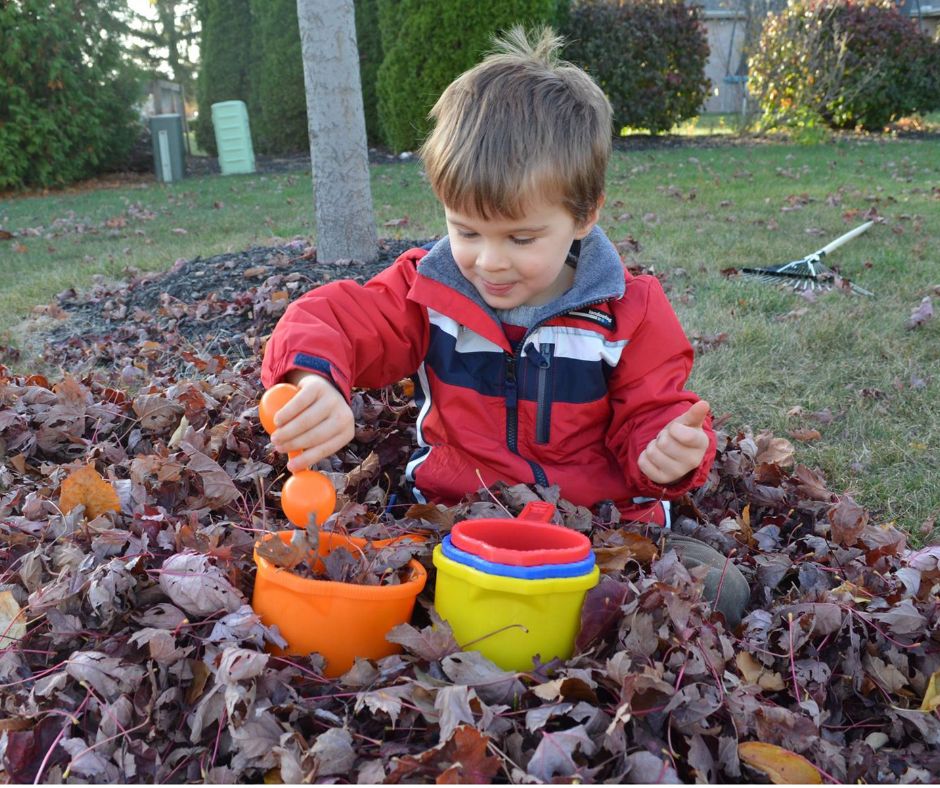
x: 593, y: 382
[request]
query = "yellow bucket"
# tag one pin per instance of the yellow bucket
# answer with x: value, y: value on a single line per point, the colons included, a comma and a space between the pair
x: 507, y: 619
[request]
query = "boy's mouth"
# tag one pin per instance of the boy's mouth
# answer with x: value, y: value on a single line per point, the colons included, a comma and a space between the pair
x: 494, y: 289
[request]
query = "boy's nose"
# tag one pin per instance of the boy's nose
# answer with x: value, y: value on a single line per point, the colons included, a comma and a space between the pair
x: 490, y: 259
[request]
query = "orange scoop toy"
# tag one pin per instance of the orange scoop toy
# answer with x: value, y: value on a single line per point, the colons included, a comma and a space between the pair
x: 305, y: 492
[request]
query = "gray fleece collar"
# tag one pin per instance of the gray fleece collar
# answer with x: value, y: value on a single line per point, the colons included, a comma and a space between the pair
x: 598, y: 277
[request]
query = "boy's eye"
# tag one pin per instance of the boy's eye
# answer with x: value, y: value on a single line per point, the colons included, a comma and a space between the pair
x: 522, y: 241
x: 466, y: 234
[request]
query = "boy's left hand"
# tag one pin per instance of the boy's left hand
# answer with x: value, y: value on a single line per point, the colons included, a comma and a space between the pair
x: 679, y: 447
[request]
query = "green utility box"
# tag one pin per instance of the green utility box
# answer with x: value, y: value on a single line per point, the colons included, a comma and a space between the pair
x: 169, y: 150
x: 233, y: 137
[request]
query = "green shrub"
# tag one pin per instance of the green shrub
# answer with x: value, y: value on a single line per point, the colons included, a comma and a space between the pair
x: 279, y: 100
x: 649, y: 56
x: 224, y: 67
x: 429, y: 42
x: 369, y: 42
x: 848, y: 64
x: 67, y: 93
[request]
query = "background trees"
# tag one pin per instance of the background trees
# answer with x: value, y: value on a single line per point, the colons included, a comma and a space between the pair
x: 67, y: 91
x: 226, y: 59
x: 164, y: 42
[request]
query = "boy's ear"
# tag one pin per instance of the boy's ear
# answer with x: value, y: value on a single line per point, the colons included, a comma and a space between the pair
x: 588, y: 224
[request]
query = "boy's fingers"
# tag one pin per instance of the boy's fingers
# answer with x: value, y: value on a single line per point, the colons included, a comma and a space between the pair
x: 694, y: 416
x: 648, y: 464
x: 682, y: 436
x: 311, y: 457
x: 294, y: 406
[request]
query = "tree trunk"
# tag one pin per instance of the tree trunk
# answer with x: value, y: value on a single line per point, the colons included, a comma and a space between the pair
x: 338, y: 151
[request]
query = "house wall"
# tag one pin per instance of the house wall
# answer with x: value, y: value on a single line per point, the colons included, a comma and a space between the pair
x: 725, y: 32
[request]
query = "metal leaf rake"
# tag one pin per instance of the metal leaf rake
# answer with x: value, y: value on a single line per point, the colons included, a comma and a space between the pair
x: 810, y: 273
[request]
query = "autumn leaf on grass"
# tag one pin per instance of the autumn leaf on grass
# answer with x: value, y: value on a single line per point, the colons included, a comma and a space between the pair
x: 771, y: 449
x: 848, y: 520
x: 783, y: 767
x: 921, y: 315
x: 805, y: 434
x: 87, y: 486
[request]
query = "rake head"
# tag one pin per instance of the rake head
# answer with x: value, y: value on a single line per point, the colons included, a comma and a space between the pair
x: 810, y: 273
x: 806, y: 274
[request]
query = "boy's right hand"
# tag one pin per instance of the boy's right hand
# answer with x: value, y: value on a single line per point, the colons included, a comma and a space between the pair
x: 317, y: 421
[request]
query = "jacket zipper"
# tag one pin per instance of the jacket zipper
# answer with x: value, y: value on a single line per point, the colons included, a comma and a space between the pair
x: 543, y: 411
x: 542, y: 358
x: 512, y: 418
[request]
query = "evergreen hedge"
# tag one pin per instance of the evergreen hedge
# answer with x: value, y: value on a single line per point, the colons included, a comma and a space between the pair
x: 848, y: 64
x: 649, y: 56
x: 225, y: 61
x: 369, y: 42
x: 67, y: 93
x: 429, y: 42
x: 279, y: 99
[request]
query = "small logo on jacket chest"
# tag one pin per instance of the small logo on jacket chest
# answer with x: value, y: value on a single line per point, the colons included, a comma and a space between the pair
x: 603, y: 319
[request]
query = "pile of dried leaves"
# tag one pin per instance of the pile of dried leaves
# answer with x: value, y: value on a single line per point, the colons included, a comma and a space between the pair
x: 371, y: 564
x: 129, y: 651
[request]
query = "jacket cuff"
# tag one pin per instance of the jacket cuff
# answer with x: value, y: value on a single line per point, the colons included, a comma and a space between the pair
x: 322, y: 367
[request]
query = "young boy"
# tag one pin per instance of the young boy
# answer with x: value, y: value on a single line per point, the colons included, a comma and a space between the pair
x: 536, y: 357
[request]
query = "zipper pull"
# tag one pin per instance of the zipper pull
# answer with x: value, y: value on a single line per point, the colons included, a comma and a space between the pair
x: 540, y: 360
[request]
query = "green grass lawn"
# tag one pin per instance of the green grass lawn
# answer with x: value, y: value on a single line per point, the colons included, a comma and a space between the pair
x: 693, y: 212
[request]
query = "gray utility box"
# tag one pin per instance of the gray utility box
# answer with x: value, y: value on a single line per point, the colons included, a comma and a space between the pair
x: 233, y: 137
x: 169, y: 149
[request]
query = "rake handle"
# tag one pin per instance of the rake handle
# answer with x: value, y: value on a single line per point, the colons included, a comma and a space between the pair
x: 843, y: 239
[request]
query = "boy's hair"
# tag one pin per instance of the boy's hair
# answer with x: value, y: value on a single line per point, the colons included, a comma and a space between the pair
x: 522, y: 124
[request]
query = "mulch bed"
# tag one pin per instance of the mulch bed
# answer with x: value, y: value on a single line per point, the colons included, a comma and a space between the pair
x: 224, y: 304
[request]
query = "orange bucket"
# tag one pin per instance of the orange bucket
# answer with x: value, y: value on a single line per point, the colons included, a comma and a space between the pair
x: 341, y: 621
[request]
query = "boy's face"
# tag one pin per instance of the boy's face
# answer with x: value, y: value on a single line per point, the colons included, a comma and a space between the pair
x: 516, y: 262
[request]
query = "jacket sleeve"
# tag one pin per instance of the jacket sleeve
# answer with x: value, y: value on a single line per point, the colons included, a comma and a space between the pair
x: 356, y: 335
x: 647, y: 391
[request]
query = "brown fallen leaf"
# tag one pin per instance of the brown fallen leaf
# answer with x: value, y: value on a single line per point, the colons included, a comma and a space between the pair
x: 437, y: 515
x: 755, y: 673
x: 12, y: 620
x: 805, y: 435
x: 931, y: 701
x: 848, y: 520
x: 635, y: 548
x: 285, y: 555
x: 783, y: 767
x: 87, y: 486
x: 771, y: 449
x: 921, y: 314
